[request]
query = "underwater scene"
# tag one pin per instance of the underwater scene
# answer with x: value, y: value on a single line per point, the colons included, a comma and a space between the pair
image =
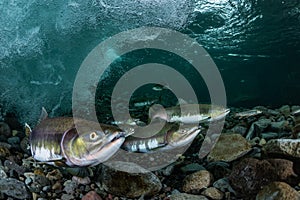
x: 150, y: 99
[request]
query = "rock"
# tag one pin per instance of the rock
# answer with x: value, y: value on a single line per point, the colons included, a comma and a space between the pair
x: 24, y: 144
x: 70, y: 187
x: 5, y: 130
x: 262, y: 142
x: 13, y: 166
x: 67, y: 197
x: 213, y: 193
x: 283, y: 147
x: 13, y: 140
x: 278, y: 191
x: 167, y: 171
x: 239, y: 129
x: 4, y: 152
x: 269, y: 135
x: 92, y: 195
x: 223, y: 185
x: 2, y: 173
x: 249, y: 175
x: 285, y: 110
x: 284, y: 170
x: 13, y: 188
x: 257, y: 128
x: 193, y: 167
x: 35, y: 182
x: 229, y: 147
x: 195, y: 182
x: 54, y: 175
x: 279, y: 126
x: 219, y: 169
x: 142, y: 182
x: 184, y: 196
x: 81, y: 180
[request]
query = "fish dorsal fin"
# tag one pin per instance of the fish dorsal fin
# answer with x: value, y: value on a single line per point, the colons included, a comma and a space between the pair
x: 43, y: 115
x: 27, y: 129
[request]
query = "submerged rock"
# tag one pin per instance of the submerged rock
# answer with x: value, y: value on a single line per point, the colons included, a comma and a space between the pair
x: 213, y: 193
x: 257, y: 128
x: 285, y: 110
x: 229, y: 147
x: 133, y: 183
x: 193, y: 167
x: 284, y: 147
x: 13, y: 188
x: 278, y: 191
x: 197, y: 181
x: 184, y: 196
x: 5, y: 130
x: 92, y: 195
x: 249, y: 175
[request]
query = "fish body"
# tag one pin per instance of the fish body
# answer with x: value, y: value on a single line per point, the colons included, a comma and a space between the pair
x: 248, y: 113
x: 190, y: 113
x: 169, y: 137
x: 57, y: 141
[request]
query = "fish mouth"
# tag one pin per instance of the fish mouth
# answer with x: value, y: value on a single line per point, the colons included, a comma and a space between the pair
x: 111, y: 145
x: 185, y: 139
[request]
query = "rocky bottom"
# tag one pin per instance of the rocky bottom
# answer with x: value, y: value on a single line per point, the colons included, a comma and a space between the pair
x: 256, y: 157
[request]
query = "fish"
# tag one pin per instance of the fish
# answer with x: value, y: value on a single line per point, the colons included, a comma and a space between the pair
x: 248, y: 113
x: 296, y: 112
x: 160, y: 87
x: 171, y: 136
x: 56, y: 141
x: 189, y: 113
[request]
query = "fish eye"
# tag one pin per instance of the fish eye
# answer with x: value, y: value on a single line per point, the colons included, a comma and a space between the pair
x: 93, y: 135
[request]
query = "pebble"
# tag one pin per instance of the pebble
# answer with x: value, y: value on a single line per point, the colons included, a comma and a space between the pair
x: 142, y: 182
x: 279, y: 126
x: 278, y: 191
x: 67, y: 197
x: 229, y: 147
x: 223, y: 185
x: 81, y: 180
x: 184, y: 196
x: 92, y: 195
x: 5, y: 130
x: 192, y: 167
x: 285, y: 110
x: 213, y: 193
x: 70, y: 187
x: 284, y: 170
x: 2, y: 173
x: 269, y: 135
x: 35, y: 182
x: 250, y: 174
x: 13, y: 188
x: 13, y: 166
x: 197, y: 181
x: 13, y: 140
x: 239, y: 129
x: 54, y: 175
x: 4, y: 152
x: 283, y: 147
x: 257, y: 128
